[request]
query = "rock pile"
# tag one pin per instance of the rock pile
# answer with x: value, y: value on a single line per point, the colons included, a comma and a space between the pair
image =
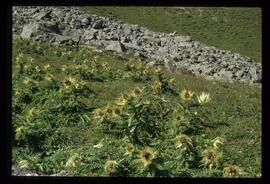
x: 72, y: 27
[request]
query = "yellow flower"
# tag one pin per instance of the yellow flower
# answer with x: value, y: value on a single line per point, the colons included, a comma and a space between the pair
x: 146, y: 103
x: 27, y: 66
x: 157, y: 86
x: 64, y: 67
x: 126, y: 75
x: 136, y: 92
x: 23, y: 164
x: 183, y: 140
x: 105, y: 64
x: 158, y: 70
x: 85, y: 60
x: 130, y: 148
x: 93, y: 71
x: 19, y: 57
x: 231, y: 171
x: 110, y: 166
x: 19, y: 132
x: 121, y: 101
x: 186, y: 95
x: 145, y: 72
x: 27, y: 80
x: 17, y: 91
x: 178, y: 117
x: 171, y: 81
x: 126, y: 96
x: 93, y: 65
x: 218, y: 141
x: 31, y: 60
x: 108, y: 111
x: 71, y: 163
x: 117, y: 111
x: 146, y: 156
x: 203, y: 98
x: 210, y: 157
x: 37, y: 69
x: 49, y: 77
x: 33, y: 111
x: 68, y: 82
x: 47, y: 66
x: 99, y: 114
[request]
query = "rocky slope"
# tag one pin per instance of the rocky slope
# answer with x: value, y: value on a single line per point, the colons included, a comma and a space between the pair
x: 69, y: 26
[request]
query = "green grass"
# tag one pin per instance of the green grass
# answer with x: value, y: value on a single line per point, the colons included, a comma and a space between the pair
x: 234, y: 111
x: 235, y: 29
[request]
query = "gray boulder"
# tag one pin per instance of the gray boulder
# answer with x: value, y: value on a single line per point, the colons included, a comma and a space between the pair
x: 132, y: 46
x: 37, y: 28
x: 201, y: 58
x: 225, y: 75
x: 116, y: 46
x: 253, y: 73
x: 90, y: 34
x: 170, y: 65
x: 99, y: 24
x: 43, y: 15
x: 60, y: 39
x: 30, y: 30
x: 86, y: 21
x: 239, y: 73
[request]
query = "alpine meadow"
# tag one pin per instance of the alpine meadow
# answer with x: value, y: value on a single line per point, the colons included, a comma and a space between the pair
x: 136, y: 92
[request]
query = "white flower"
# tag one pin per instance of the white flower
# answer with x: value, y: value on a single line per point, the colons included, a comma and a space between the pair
x: 204, y: 98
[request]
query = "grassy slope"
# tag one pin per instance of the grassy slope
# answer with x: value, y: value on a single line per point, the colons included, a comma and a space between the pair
x: 235, y: 110
x: 235, y: 29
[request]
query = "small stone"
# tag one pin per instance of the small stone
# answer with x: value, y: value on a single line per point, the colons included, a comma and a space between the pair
x: 98, y: 24
x: 116, y: 46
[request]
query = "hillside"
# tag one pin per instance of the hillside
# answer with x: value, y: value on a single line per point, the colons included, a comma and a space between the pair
x: 233, y: 113
x: 235, y: 29
x: 81, y: 110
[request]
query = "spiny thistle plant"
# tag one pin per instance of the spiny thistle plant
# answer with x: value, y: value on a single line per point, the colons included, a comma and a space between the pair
x: 211, y: 157
x: 203, y: 98
x: 186, y: 95
x: 147, y: 119
x: 110, y: 166
x: 231, y: 171
x: 183, y: 140
x: 71, y: 163
x: 144, y: 131
x: 146, y: 156
x: 218, y: 141
x: 130, y: 148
